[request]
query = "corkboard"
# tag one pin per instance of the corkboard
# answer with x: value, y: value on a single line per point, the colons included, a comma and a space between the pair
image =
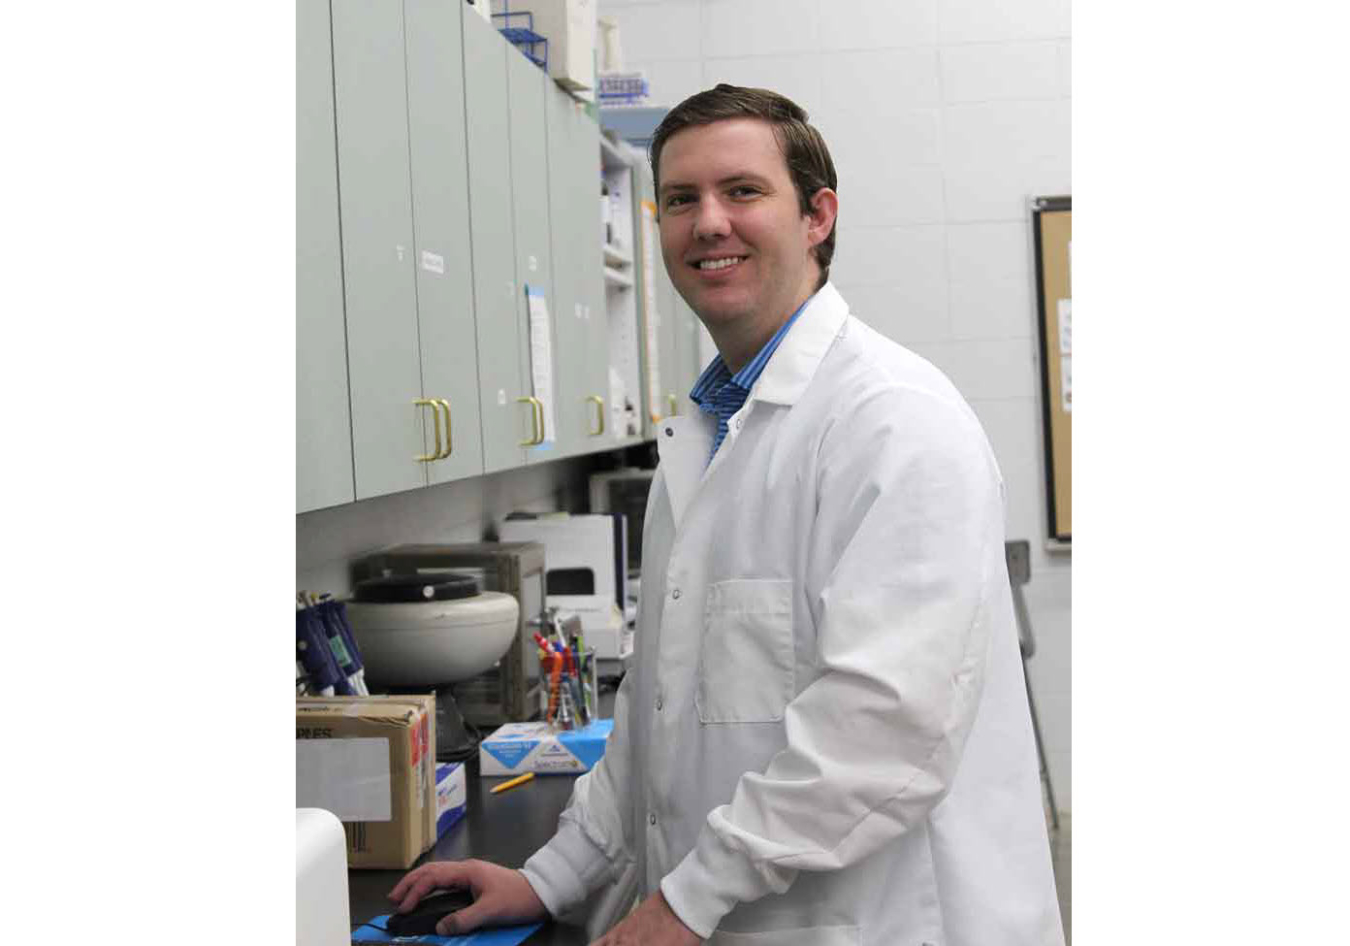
x: 1052, y: 226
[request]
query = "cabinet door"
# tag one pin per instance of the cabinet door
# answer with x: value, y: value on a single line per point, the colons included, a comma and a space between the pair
x: 505, y: 422
x: 323, y: 431
x: 440, y: 191
x: 570, y: 187
x: 374, y: 191
x: 594, y: 339
x: 527, y: 87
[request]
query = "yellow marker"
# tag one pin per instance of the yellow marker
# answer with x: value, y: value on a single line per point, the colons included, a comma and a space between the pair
x: 519, y: 780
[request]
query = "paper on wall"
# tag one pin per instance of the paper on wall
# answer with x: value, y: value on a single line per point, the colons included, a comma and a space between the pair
x: 1065, y: 319
x: 1065, y: 387
x: 541, y: 358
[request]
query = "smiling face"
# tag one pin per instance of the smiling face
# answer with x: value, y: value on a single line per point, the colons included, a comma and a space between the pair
x: 734, y: 239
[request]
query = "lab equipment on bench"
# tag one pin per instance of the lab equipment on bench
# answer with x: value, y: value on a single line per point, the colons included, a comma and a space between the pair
x: 421, y: 632
x: 321, y: 915
x: 508, y: 691
x: 587, y: 572
x: 313, y: 651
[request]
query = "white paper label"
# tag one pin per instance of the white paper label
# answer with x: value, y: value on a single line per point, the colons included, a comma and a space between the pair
x: 349, y: 777
x: 534, y: 264
x: 1065, y: 318
x: 501, y: 397
x: 541, y: 358
x: 1065, y: 385
x: 398, y: 248
x: 433, y: 263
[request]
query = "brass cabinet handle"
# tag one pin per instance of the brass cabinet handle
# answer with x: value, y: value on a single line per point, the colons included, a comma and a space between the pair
x: 600, y: 414
x: 539, y: 409
x: 442, y: 402
x: 435, y: 425
x: 536, y: 421
x: 674, y: 403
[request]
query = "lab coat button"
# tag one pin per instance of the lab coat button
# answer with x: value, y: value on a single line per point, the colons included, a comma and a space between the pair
x: 670, y: 432
x: 651, y: 819
x: 659, y: 703
x: 675, y: 594
x: 738, y: 423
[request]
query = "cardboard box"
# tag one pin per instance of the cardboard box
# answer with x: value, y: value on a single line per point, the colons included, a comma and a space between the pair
x: 369, y: 761
x: 426, y: 702
x: 532, y: 747
x: 452, y: 795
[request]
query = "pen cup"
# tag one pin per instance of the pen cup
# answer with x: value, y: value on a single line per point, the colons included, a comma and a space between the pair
x: 582, y: 703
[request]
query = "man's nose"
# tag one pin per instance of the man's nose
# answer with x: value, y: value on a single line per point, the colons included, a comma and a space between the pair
x: 711, y: 221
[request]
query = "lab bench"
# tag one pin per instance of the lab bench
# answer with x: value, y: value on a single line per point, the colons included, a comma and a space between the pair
x: 505, y: 829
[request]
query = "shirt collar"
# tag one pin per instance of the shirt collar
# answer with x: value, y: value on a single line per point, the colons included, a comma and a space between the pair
x: 717, y: 375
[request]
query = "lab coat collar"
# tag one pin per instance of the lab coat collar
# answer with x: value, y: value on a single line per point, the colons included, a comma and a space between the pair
x: 683, y: 443
x: 799, y: 354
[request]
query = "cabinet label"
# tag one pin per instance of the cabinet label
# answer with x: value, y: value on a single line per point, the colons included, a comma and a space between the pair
x: 433, y: 263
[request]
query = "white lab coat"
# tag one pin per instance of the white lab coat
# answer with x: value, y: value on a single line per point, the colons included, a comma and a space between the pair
x: 825, y: 737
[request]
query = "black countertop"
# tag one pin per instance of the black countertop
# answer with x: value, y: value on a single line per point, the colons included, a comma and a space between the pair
x: 505, y: 829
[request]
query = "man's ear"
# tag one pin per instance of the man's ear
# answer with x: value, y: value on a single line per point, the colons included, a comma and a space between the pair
x: 824, y: 210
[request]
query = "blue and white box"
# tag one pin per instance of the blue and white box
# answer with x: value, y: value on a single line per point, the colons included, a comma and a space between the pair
x: 517, y: 748
x: 452, y: 795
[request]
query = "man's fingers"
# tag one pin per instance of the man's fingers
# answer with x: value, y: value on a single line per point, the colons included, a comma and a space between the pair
x: 423, y: 886
x: 462, y: 921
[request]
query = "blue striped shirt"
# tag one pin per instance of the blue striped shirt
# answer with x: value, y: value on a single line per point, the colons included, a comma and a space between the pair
x: 720, y: 393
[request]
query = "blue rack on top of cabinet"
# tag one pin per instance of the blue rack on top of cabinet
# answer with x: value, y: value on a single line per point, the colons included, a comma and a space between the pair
x: 524, y: 37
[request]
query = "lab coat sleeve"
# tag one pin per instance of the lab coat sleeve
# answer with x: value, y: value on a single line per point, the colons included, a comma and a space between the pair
x: 906, y: 547
x: 591, y: 845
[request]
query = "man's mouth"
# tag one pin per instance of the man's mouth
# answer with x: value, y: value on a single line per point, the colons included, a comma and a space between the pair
x: 722, y: 262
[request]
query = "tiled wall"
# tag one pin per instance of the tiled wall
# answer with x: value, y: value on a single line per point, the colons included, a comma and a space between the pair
x: 944, y: 117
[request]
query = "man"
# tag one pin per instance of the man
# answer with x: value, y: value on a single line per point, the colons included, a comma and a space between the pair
x: 825, y: 737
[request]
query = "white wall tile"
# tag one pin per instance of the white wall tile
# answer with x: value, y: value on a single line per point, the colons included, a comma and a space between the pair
x: 670, y: 81
x: 656, y: 31
x: 875, y: 24
x: 877, y: 189
x: 879, y: 256
x: 1013, y: 428
x: 998, y: 154
x: 735, y: 28
x: 796, y: 75
x: 990, y: 271
x: 983, y: 72
x: 1065, y: 53
x: 910, y: 313
x: 867, y: 88
x: 997, y: 21
x: 911, y: 137
x: 985, y: 368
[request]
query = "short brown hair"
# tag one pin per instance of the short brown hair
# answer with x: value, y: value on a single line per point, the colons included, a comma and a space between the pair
x: 808, y: 159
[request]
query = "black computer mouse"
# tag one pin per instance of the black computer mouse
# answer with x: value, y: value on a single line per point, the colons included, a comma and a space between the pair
x: 423, y: 918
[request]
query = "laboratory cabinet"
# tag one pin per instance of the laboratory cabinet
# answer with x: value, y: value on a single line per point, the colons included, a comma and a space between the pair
x: 528, y: 89
x: 375, y: 204
x: 443, y: 180
x: 574, y: 212
x: 509, y: 418
x: 323, y: 445
x: 444, y: 275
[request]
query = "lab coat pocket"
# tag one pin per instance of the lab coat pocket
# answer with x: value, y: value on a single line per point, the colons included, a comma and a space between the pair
x: 747, y: 666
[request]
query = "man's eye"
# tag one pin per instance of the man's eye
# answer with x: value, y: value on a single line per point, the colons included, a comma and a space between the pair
x: 744, y: 190
x: 675, y: 200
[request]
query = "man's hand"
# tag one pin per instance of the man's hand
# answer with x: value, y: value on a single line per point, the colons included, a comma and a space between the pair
x: 502, y: 896
x: 653, y: 923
